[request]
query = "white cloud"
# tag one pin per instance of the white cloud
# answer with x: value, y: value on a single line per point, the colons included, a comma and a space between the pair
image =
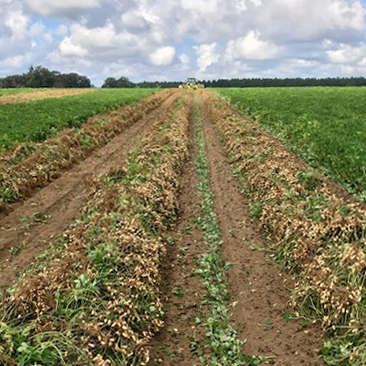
x: 347, y: 14
x: 347, y: 69
x: 207, y: 55
x: 15, y: 61
x: 62, y: 30
x: 57, y: 7
x: 67, y: 48
x: 347, y: 54
x: 103, y: 44
x: 242, y: 5
x: 234, y: 38
x: 250, y: 47
x: 162, y: 56
x: 17, y: 22
x: 362, y: 63
x: 304, y: 63
x: 184, y: 59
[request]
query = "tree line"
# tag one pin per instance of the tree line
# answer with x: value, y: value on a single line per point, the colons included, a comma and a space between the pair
x: 286, y: 82
x: 41, y: 77
x: 124, y: 82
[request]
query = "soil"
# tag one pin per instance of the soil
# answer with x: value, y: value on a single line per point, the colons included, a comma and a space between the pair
x: 258, y: 287
x: 259, y: 290
x: 171, y: 346
x: 37, y: 95
x: 32, y: 225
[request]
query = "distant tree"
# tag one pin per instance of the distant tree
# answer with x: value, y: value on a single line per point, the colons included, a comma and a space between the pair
x: 286, y: 82
x: 14, y: 81
x: 122, y: 82
x: 157, y: 84
x: 72, y: 80
x: 39, y: 77
x: 110, y: 83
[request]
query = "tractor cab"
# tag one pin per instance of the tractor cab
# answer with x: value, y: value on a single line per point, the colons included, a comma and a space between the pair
x: 191, y: 80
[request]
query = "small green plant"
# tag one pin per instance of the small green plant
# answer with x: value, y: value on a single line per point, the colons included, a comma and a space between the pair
x: 255, y: 210
x: 268, y: 323
x: 177, y: 292
x: 226, y: 348
x: 16, y: 249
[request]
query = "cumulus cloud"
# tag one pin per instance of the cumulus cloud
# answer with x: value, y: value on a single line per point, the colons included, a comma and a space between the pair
x: 67, y: 48
x: 207, y: 56
x: 347, y: 54
x: 60, y: 7
x: 242, y: 5
x: 15, y: 61
x: 212, y: 39
x: 251, y: 47
x: 184, y: 58
x: 162, y: 56
x: 17, y: 23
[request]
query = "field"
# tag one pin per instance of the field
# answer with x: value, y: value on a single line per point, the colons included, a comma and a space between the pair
x: 14, y: 96
x: 326, y: 126
x: 46, y: 117
x: 171, y: 230
x: 19, y: 91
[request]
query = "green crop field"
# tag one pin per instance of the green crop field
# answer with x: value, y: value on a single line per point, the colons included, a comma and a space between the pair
x: 20, y: 90
x: 326, y: 126
x: 41, y: 119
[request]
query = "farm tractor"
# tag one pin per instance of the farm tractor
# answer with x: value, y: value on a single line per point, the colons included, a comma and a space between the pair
x: 191, y: 83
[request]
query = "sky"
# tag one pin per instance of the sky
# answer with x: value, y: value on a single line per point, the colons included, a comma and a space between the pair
x: 175, y: 39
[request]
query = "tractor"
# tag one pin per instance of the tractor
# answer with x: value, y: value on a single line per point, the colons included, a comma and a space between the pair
x: 191, y: 83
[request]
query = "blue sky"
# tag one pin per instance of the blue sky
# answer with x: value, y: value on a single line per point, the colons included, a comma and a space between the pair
x: 161, y: 40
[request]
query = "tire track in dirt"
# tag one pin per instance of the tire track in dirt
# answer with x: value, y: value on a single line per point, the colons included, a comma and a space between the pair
x: 31, y: 226
x: 258, y: 288
x: 181, y: 291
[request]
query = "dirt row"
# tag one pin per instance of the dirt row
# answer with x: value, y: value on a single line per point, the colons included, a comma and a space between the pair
x: 31, y: 226
x: 37, y: 95
x: 259, y: 290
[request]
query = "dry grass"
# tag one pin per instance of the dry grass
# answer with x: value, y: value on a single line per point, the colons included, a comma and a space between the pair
x: 37, y: 95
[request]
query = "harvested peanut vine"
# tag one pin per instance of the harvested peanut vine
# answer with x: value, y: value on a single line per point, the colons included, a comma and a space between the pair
x: 97, y: 301
x: 318, y: 232
x: 33, y: 165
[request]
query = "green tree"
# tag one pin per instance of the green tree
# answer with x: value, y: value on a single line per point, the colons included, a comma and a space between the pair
x: 110, y: 83
x: 40, y: 77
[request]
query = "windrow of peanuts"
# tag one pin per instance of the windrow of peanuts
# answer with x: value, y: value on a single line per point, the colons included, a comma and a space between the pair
x: 97, y: 300
x: 31, y: 165
x: 317, y: 230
